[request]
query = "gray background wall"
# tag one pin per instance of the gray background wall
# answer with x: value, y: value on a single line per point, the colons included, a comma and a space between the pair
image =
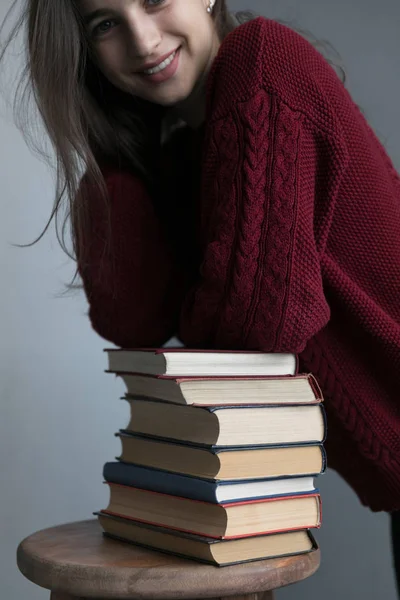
x: 58, y: 410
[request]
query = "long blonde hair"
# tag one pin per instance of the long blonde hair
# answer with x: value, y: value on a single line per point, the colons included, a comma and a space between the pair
x: 87, y: 119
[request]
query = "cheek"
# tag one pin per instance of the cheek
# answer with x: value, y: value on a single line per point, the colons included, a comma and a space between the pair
x: 200, y: 39
x: 109, y: 59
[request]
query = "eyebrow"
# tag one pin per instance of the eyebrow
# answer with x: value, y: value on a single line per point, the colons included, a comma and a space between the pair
x: 95, y: 14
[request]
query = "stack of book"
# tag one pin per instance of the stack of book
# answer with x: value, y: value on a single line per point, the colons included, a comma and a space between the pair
x: 219, y: 457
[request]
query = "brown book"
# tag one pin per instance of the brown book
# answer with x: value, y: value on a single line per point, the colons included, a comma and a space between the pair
x: 208, y: 550
x: 214, y: 391
x: 229, y: 520
x: 228, y: 425
x: 223, y: 464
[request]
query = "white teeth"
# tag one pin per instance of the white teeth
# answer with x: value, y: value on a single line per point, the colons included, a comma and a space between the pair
x: 161, y: 66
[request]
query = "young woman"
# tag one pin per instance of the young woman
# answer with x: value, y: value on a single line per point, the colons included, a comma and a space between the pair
x: 234, y: 196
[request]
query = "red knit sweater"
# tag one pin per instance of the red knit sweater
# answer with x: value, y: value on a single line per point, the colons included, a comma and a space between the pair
x: 294, y: 245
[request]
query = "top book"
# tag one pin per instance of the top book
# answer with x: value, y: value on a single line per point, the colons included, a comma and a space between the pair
x: 179, y: 361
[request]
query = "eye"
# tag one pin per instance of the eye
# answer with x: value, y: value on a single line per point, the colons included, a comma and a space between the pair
x: 103, y: 27
x: 155, y: 2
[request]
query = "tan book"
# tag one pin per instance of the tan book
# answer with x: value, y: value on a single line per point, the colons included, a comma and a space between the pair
x: 208, y: 550
x: 181, y: 361
x: 214, y: 391
x: 228, y: 425
x: 223, y: 464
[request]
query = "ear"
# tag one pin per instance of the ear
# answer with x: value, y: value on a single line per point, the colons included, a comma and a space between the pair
x: 210, y: 5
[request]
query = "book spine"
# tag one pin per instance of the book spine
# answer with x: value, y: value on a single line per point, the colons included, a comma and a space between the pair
x: 163, y: 550
x: 160, y: 481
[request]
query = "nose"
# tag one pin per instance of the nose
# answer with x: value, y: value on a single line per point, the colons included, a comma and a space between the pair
x: 144, y: 36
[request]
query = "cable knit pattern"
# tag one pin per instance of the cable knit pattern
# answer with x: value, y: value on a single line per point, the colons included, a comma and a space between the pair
x: 297, y: 246
x: 276, y: 244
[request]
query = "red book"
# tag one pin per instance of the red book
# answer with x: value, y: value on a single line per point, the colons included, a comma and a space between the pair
x: 222, y: 521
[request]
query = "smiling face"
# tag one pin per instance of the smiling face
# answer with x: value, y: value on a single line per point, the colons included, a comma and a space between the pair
x: 158, y: 50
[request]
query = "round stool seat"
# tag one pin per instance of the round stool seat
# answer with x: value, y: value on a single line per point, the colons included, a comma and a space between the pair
x: 77, y: 560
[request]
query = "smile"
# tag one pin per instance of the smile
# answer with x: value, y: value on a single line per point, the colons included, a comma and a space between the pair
x: 163, y: 65
x: 164, y: 71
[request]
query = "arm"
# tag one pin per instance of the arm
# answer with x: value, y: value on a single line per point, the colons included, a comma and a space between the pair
x: 271, y: 179
x: 132, y: 284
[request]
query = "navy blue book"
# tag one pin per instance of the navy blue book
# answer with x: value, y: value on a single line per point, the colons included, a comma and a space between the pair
x: 203, y: 489
x: 223, y: 463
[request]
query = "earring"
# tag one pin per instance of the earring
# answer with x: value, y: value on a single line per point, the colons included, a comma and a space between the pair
x: 211, y: 6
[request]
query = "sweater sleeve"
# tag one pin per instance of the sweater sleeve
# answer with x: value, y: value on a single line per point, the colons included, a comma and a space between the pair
x: 269, y: 191
x: 130, y: 278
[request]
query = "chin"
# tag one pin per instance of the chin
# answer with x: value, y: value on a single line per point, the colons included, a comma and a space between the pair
x: 176, y: 94
x: 170, y: 101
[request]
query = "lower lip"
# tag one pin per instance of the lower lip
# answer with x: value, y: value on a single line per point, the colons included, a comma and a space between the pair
x: 166, y: 73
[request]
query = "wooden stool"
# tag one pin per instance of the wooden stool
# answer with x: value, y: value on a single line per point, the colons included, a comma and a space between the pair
x: 76, y: 561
